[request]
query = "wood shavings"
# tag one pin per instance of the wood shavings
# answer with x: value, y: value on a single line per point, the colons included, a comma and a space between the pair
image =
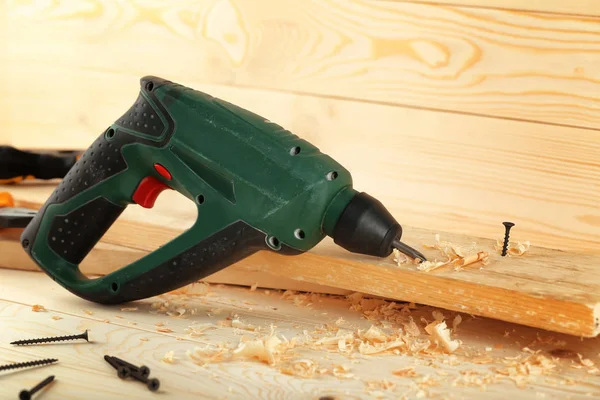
x: 38, y: 308
x: 238, y: 324
x: 176, y: 313
x: 586, y: 362
x: 124, y: 309
x: 169, y: 357
x: 203, y: 355
x: 299, y: 299
x: 303, y: 368
x: 412, y: 328
x: 164, y: 330
x: 441, y: 335
x: 88, y: 312
x: 56, y: 317
x: 160, y: 324
x: 456, y: 322
x: 198, y: 330
x: 405, y: 372
x: 194, y: 289
x: 106, y: 321
x: 456, y: 256
x: 266, y: 350
x: 475, y: 379
x: 254, y: 287
x: 522, y: 367
x: 377, y: 385
x: 143, y: 339
x: 514, y: 248
x: 342, y: 371
x: 438, y: 315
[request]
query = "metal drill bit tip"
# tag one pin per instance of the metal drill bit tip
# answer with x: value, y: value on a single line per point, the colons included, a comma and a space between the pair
x: 409, y: 251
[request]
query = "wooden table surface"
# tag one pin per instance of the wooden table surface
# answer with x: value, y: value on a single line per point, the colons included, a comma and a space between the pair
x: 478, y: 369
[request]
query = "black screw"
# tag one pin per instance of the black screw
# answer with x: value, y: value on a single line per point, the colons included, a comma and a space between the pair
x: 28, y: 364
x: 84, y: 335
x: 142, y: 371
x: 26, y: 394
x: 507, y: 225
x: 125, y: 370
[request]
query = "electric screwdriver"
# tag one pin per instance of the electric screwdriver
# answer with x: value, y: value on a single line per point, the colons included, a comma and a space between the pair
x: 256, y: 186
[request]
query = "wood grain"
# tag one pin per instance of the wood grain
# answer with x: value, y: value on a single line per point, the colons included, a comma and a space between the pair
x: 434, y: 170
x: 577, y: 7
x: 516, y: 65
x: 81, y: 372
x: 549, y: 289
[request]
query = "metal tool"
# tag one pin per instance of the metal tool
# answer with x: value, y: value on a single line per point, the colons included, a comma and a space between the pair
x: 28, y: 364
x: 26, y: 394
x: 83, y: 336
x: 11, y: 217
x: 507, y: 227
x: 126, y: 370
x: 256, y: 186
x: 18, y: 165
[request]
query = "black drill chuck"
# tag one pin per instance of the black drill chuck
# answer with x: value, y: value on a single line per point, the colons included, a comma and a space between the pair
x: 367, y: 227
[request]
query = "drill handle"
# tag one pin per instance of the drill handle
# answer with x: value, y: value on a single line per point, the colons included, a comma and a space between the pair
x: 130, y: 163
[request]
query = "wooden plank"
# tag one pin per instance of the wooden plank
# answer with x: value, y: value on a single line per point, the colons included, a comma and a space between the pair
x: 107, y: 257
x: 578, y: 7
x: 516, y: 65
x: 549, y: 289
x: 486, y: 347
x: 433, y: 170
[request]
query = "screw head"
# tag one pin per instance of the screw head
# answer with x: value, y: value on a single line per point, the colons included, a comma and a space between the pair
x: 144, y: 371
x: 508, y: 224
x: 153, y: 384
x: 24, y: 395
x: 123, y: 372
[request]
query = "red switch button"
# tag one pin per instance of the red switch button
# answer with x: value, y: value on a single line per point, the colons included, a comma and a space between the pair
x: 163, y: 171
x: 147, y: 191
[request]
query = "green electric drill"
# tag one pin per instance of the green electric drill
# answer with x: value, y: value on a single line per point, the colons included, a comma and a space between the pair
x: 256, y: 186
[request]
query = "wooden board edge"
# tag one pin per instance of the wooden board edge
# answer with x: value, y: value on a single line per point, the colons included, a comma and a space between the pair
x: 576, y: 319
x: 13, y: 257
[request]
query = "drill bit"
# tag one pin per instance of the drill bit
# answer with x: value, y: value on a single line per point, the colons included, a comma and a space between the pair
x: 409, y: 251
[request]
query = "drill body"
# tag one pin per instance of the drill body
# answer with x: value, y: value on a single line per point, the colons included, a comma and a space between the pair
x: 256, y: 187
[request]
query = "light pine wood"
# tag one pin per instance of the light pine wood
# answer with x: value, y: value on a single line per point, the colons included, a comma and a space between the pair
x: 517, y: 65
x: 550, y: 289
x: 82, y: 373
x: 577, y: 7
x: 434, y: 170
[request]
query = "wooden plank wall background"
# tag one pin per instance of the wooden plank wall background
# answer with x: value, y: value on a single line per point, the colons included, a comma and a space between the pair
x: 457, y: 114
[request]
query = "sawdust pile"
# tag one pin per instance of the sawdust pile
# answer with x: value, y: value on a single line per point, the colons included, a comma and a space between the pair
x: 394, y: 331
x: 523, y: 367
x: 456, y: 256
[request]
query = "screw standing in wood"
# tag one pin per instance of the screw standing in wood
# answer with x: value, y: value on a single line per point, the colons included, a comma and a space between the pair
x: 507, y: 225
x: 26, y: 394
x: 84, y: 335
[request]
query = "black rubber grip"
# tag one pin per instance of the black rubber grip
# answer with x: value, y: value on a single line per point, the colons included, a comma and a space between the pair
x: 74, y: 235
x: 104, y: 159
x: 232, y: 244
